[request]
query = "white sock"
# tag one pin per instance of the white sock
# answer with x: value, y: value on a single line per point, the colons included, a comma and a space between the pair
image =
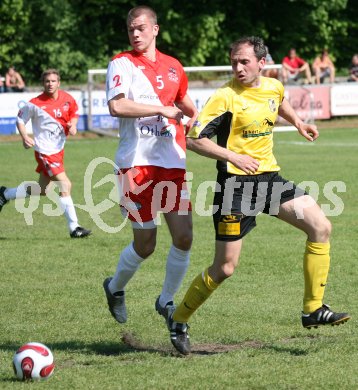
x: 68, y: 208
x: 16, y: 192
x: 128, y: 264
x: 177, y: 265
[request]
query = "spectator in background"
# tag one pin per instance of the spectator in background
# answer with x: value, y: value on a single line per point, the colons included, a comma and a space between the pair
x: 353, y: 69
x: 2, y: 86
x: 293, y: 67
x: 323, y: 67
x: 14, y: 81
x: 269, y: 61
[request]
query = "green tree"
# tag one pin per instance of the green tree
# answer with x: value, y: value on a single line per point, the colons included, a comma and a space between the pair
x: 75, y: 35
x: 13, y: 19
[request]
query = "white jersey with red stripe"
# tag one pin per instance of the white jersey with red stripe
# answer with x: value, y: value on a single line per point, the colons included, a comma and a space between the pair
x: 151, y: 140
x: 49, y: 119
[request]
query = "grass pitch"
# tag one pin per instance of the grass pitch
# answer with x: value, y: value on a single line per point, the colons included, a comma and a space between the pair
x: 247, y: 336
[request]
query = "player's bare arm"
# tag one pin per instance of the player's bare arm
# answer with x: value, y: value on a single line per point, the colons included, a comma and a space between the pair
x: 72, y: 126
x: 122, y: 107
x: 208, y: 148
x: 307, y: 130
x: 188, y: 108
x: 27, y: 141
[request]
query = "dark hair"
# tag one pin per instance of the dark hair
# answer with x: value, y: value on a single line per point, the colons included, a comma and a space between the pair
x: 256, y: 42
x: 50, y: 71
x: 140, y: 10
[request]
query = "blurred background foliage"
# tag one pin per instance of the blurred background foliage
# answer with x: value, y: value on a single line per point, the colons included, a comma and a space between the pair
x: 75, y: 35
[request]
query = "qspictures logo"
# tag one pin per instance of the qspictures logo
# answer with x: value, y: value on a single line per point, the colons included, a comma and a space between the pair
x: 101, y: 207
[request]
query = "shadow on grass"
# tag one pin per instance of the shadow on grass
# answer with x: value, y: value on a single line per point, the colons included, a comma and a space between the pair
x: 131, y: 344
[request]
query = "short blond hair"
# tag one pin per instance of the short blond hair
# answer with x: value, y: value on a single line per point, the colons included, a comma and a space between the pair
x: 139, y: 11
x: 50, y: 71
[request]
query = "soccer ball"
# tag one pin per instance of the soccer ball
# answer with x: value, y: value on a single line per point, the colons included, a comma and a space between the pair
x: 33, y: 361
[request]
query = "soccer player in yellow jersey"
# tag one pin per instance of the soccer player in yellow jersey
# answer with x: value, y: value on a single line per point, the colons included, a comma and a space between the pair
x: 241, y: 114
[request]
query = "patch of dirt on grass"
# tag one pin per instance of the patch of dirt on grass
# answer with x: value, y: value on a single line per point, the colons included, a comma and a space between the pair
x: 210, y: 349
x: 133, y: 342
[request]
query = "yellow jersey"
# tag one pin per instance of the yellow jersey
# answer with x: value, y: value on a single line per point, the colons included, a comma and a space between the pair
x: 242, y: 118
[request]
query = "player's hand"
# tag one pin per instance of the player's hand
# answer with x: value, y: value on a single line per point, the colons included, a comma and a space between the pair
x: 172, y: 112
x: 309, y: 131
x: 246, y: 163
x: 72, y: 129
x: 28, y: 142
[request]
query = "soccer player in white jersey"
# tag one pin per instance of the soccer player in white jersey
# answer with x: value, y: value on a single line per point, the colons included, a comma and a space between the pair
x: 54, y: 116
x: 147, y: 91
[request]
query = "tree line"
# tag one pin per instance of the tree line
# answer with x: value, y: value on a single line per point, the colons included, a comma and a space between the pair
x: 76, y: 35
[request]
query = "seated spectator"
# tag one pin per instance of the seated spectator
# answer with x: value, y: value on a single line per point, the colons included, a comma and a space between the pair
x: 2, y: 85
x: 293, y: 67
x: 323, y: 67
x: 14, y: 81
x: 269, y: 61
x: 353, y: 69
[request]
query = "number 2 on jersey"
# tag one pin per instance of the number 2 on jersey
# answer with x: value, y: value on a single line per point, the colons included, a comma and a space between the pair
x: 117, y: 80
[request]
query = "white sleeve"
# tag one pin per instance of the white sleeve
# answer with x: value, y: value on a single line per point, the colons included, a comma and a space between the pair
x: 24, y: 113
x: 119, y: 77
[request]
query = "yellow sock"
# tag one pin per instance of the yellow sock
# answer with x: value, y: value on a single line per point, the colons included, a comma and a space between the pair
x: 315, y: 267
x: 198, y: 292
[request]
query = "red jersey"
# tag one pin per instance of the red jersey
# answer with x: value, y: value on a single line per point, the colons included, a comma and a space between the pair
x: 154, y: 140
x: 49, y: 119
x: 295, y: 63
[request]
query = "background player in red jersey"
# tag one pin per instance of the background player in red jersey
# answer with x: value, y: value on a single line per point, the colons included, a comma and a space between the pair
x: 147, y: 90
x: 54, y: 116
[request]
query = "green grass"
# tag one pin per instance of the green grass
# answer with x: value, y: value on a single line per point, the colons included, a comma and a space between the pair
x: 247, y: 336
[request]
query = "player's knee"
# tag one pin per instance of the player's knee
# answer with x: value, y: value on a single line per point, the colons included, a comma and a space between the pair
x: 323, y: 230
x: 228, y: 269
x: 65, y: 187
x: 146, y: 249
x: 222, y: 269
x: 36, y: 190
x: 144, y: 253
x: 183, y: 241
x: 326, y: 229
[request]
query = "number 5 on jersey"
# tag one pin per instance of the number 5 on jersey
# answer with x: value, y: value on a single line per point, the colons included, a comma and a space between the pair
x: 160, y: 82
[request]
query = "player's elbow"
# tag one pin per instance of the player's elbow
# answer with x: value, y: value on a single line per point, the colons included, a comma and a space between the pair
x: 191, y: 144
x: 114, y: 109
x: 116, y: 106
